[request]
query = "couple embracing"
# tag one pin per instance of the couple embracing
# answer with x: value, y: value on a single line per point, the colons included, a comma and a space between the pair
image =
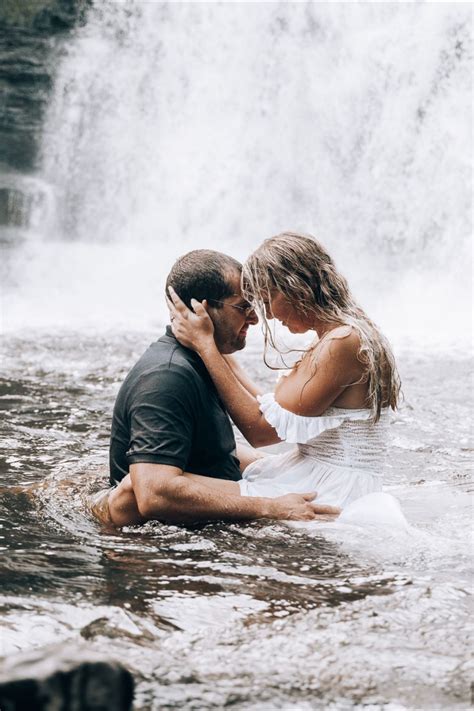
x: 173, y: 455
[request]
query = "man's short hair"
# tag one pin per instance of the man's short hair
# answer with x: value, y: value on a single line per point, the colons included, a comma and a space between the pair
x: 203, y: 274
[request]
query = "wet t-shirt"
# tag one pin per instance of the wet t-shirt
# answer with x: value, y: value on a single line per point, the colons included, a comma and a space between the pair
x: 168, y: 412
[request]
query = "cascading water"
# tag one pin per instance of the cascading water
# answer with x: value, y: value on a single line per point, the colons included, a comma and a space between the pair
x: 173, y: 126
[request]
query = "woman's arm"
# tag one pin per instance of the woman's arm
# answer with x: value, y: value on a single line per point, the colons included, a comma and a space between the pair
x: 242, y: 406
x: 242, y: 376
x: 321, y: 379
x: 194, y: 329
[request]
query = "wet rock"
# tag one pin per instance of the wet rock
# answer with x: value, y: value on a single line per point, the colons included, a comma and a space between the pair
x: 31, y: 35
x: 64, y: 678
x: 47, y: 16
x: 14, y: 205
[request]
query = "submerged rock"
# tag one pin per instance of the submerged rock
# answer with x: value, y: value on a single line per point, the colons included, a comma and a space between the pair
x: 64, y: 677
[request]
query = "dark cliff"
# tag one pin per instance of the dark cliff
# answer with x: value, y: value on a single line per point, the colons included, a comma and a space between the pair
x: 30, y: 36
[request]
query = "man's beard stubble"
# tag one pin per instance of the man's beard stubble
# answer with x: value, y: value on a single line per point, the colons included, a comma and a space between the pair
x: 227, y: 340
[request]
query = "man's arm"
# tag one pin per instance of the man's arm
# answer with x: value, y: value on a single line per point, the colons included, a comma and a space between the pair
x: 161, y: 492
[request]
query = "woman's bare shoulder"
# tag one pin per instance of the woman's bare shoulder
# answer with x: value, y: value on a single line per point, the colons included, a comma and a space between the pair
x: 324, y: 374
x: 342, y: 340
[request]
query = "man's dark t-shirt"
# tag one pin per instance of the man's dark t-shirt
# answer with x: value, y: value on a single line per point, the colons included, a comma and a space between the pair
x: 168, y: 412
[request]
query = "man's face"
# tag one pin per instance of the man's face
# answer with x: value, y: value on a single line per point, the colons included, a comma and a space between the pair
x: 232, y: 320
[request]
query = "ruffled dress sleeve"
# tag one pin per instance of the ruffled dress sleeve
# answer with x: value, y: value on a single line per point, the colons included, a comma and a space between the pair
x: 298, y: 429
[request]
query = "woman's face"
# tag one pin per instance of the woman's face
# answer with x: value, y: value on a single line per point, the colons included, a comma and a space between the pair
x: 282, y: 309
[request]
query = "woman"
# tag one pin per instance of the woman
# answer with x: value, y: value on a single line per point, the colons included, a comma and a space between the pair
x: 333, y: 404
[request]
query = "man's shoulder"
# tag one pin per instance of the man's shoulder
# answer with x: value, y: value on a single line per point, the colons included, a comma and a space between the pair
x: 167, y: 354
x: 166, y: 363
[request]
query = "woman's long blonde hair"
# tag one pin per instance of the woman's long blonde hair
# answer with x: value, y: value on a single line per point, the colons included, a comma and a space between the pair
x: 298, y: 267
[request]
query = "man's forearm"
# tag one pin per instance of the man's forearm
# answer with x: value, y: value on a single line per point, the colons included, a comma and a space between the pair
x: 163, y: 493
x: 183, y: 501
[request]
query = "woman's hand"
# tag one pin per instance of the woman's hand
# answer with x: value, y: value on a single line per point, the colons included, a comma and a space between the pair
x: 193, y: 329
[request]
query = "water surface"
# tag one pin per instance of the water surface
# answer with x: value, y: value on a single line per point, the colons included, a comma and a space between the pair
x: 247, y: 615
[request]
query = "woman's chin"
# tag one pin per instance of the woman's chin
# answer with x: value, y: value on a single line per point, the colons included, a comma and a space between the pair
x: 296, y: 328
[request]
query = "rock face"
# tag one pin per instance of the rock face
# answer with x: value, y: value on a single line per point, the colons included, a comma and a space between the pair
x: 64, y: 678
x: 32, y: 33
x: 43, y: 15
x: 28, y: 30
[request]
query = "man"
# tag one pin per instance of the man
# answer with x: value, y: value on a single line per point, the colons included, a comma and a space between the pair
x: 168, y: 419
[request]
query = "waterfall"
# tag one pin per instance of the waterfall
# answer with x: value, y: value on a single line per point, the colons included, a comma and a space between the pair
x: 181, y: 125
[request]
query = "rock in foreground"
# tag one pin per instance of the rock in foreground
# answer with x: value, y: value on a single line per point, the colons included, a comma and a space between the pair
x: 64, y: 678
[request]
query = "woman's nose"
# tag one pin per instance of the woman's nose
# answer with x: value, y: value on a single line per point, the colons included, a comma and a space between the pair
x: 252, y: 317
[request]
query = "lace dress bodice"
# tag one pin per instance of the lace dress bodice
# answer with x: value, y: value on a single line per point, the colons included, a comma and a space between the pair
x: 340, y: 454
x: 341, y: 437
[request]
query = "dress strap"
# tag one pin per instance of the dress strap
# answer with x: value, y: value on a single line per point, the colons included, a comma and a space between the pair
x: 300, y: 429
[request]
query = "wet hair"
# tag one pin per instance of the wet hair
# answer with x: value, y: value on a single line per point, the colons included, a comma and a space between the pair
x: 203, y: 274
x: 298, y: 266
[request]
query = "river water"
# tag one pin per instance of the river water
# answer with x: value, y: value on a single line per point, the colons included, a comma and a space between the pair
x: 244, y: 615
x: 173, y: 126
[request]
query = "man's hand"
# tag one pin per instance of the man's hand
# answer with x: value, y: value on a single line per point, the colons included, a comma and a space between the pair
x: 300, y: 507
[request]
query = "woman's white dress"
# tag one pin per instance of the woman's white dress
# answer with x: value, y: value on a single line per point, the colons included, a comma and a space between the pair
x: 340, y: 455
